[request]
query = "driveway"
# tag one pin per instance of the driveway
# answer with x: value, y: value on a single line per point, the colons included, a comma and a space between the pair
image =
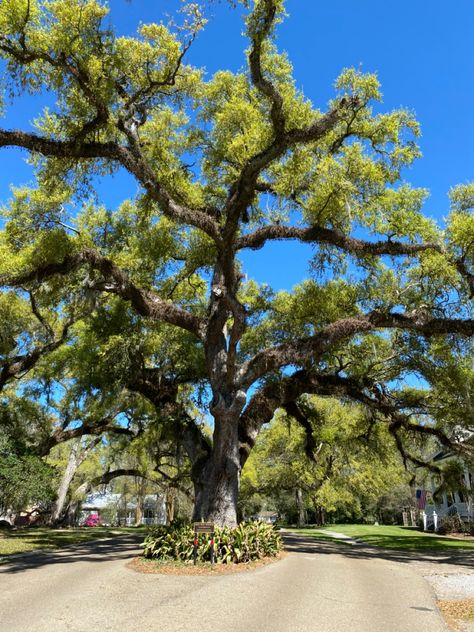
x: 318, y: 586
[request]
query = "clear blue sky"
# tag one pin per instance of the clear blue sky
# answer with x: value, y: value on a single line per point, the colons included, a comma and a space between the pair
x: 421, y: 51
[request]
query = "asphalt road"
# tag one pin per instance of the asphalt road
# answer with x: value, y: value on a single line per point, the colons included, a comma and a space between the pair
x: 318, y: 587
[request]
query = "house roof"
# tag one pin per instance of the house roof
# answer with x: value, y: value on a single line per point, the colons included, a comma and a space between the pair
x: 464, y: 436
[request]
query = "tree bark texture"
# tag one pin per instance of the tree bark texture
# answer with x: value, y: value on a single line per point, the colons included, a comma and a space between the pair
x: 301, y: 513
x: 77, y: 455
x: 217, y: 479
x: 170, y: 506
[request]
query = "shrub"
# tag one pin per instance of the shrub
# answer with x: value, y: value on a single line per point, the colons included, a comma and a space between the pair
x: 247, y: 542
x: 92, y: 521
x: 451, y: 524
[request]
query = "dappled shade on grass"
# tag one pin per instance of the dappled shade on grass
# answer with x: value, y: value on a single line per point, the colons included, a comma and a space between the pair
x: 24, y: 540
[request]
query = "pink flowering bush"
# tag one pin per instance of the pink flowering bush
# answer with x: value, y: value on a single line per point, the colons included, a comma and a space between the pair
x: 92, y: 521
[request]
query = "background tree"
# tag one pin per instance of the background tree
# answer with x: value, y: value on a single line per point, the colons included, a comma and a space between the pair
x: 343, y: 470
x: 388, y: 509
x: 226, y: 164
x: 26, y: 481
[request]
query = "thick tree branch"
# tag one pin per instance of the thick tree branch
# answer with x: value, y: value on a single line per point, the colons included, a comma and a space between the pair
x: 94, y: 428
x: 260, y: 82
x: 312, y: 347
x: 243, y: 190
x: 310, y: 446
x: 132, y: 158
x: 163, y: 393
x: 466, y: 274
x: 284, y: 393
x: 407, y: 456
x: 60, y: 149
x: 39, y: 316
x: 423, y: 323
x: 173, y: 482
x: 334, y: 237
x: 129, y: 157
x: 19, y: 365
x: 109, y: 476
x: 346, y: 243
x: 72, y: 68
x: 116, y: 281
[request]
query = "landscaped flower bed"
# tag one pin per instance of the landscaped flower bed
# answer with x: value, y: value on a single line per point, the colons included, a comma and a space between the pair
x: 246, y: 543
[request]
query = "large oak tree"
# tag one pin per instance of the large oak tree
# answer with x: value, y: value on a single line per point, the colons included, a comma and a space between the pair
x: 223, y: 165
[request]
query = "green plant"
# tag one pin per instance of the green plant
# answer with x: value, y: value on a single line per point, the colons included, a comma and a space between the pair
x: 245, y: 543
x: 451, y: 524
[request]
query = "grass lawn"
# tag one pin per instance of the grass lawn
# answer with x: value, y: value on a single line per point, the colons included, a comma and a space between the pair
x: 21, y: 540
x: 393, y: 537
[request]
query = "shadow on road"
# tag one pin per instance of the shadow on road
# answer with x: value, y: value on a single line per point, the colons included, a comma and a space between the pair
x: 120, y: 548
x: 126, y: 547
x: 296, y: 543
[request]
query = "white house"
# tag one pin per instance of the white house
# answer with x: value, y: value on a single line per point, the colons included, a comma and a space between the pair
x: 270, y: 517
x: 459, y: 502
x: 117, y: 509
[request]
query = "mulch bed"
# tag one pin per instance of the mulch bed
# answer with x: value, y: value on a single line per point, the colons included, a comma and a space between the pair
x: 155, y: 567
x: 457, y: 611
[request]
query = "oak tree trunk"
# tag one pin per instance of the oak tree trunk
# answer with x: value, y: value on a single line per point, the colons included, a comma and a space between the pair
x: 217, y: 479
x: 170, y: 505
x: 57, y: 513
x: 140, y: 508
x: 301, y: 513
x: 77, y: 456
